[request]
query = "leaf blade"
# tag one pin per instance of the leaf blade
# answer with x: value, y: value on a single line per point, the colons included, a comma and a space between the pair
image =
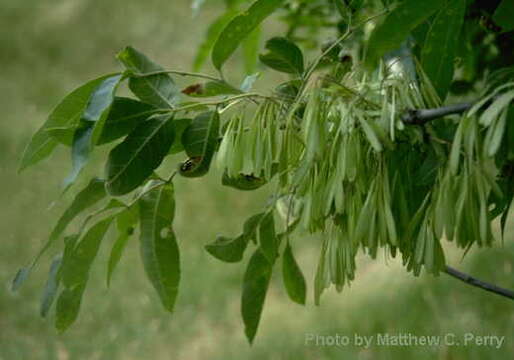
x: 255, y: 286
x: 440, y: 45
x: 395, y: 28
x: 158, y: 246
x: 133, y: 160
x: 158, y: 90
x: 294, y: 280
x: 67, y: 112
x: 239, y: 28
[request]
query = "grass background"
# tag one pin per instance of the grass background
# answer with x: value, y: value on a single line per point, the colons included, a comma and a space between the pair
x: 48, y: 47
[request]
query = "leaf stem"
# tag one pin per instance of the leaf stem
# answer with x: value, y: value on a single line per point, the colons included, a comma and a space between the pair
x: 218, y: 102
x: 177, y: 72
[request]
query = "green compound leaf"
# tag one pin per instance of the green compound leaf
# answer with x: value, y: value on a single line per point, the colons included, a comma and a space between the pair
x: 159, y: 90
x: 294, y: 280
x: 131, y: 162
x: 200, y: 140
x: 255, y: 286
x: 440, y: 45
x: 283, y: 56
x: 66, y: 114
x: 390, y: 34
x: 239, y: 28
x: 159, y: 249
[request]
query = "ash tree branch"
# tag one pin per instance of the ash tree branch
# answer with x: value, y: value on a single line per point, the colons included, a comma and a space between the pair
x: 470, y: 280
x: 422, y: 116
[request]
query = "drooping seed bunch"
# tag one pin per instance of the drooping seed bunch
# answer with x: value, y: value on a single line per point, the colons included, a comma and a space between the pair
x: 365, y: 179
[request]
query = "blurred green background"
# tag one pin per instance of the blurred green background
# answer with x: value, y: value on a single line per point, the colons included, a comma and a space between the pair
x: 48, y: 47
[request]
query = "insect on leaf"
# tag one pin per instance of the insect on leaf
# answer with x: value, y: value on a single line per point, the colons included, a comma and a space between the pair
x: 210, y: 89
x: 251, y: 50
x: 200, y: 140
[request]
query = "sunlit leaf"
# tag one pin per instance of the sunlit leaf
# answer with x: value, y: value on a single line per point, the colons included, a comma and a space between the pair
x: 283, y: 55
